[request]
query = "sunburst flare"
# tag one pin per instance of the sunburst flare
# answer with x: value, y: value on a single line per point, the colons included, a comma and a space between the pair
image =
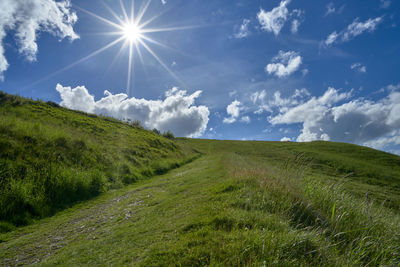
x: 131, y: 31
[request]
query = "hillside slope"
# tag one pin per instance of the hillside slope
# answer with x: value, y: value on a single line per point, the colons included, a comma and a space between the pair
x: 239, y: 204
x: 52, y: 157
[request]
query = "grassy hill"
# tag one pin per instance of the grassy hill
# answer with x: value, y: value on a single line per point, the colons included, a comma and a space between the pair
x: 52, y: 157
x: 238, y: 204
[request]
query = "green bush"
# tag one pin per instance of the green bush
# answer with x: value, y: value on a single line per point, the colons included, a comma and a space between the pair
x: 168, y: 134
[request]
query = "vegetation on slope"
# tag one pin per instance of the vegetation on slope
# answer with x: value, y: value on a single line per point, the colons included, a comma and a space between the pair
x: 240, y: 204
x: 51, y: 157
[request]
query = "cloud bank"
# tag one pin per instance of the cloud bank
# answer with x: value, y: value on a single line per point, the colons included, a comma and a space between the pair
x: 334, y: 116
x: 25, y: 18
x: 176, y: 112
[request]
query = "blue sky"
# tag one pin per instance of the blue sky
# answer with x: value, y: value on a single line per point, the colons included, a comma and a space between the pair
x: 251, y: 70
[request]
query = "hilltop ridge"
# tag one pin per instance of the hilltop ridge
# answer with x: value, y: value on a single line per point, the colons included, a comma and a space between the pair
x: 241, y: 203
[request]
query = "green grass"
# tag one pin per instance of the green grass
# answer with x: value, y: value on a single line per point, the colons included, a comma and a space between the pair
x: 239, y: 204
x: 52, y: 157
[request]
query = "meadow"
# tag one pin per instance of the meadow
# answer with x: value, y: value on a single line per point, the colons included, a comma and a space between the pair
x: 234, y: 203
x: 52, y: 157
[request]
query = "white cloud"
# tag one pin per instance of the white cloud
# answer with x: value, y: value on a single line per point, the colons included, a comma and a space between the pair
x: 393, y: 87
x: 392, y: 138
x: 333, y: 116
x: 77, y: 98
x: 277, y: 102
x: 330, y: 8
x: 331, y: 38
x: 354, y: 29
x: 233, y: 110
x: 164, y: 2
x: 295, y: 26
x: 176, y: 112
x: 385, y: 3
x: 243, y: 30
x: 312, y: 110
x: 245, y: 119
x: 358, y: 67
x: 258, y: 96
x: 286, y: 139
x: 274, y: 20
x: 357, y: 28
x: 26, y: 18
x: 299, y: 18
x: 284, y: 64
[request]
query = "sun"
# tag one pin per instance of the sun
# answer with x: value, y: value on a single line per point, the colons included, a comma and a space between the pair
x: 131, y: 32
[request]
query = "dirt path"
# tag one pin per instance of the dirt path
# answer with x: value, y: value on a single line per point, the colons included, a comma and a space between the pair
x: 95, y: 229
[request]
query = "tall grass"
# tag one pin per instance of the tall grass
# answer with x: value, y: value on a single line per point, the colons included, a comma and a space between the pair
x: 337, y: 228
x: 269, y: 213
x: 52, y: 157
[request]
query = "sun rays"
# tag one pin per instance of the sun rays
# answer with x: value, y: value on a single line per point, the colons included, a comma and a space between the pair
x: 131, y: 32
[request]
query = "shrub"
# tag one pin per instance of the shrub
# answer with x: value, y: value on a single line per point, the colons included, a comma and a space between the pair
x: 6, y: 227
x: 156, y: 131
x: 168, y: 134
x: 136, y: 124
x: 53, y: 104
x: 97, y: 183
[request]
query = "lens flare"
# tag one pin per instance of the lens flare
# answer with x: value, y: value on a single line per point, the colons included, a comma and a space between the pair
x: 132, y: 32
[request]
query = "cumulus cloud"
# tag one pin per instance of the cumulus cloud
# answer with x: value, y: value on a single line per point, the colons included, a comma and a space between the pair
x: 233, y: 110
x: 312, y: 110
x: 286, y: 139
x: 276, y: 102
x: 243, y: 31
x: 26, y: 18
x: 284, y: 64
x: 164, y: 2
x: 274, y: 20
x: 354, y: 29
x: 358, y: 67
x: 176, y: 112
x: 333, y: 116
